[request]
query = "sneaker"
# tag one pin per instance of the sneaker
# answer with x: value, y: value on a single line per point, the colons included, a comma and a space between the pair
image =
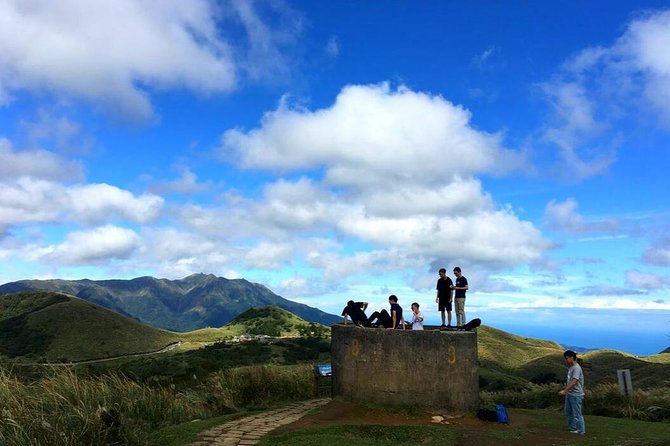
x: 449, y: 326
x: 443, y: 326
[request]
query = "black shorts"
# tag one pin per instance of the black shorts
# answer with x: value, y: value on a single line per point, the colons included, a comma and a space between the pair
x: 444, y: 304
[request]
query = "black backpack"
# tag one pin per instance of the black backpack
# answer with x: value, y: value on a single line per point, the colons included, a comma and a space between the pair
x: 487, y: 415
x: 472, y: 324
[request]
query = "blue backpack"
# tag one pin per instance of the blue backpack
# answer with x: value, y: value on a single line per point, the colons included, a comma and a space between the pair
x: 501, y: 410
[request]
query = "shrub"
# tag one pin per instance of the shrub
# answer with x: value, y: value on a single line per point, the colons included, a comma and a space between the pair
x: 261, y: 386
x: 66, y: 409
x: 604, y: 400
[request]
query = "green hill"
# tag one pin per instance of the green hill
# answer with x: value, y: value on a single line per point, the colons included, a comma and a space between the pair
x: 196, y: 301
x: 46, y: 326
x: 271, y: 321
x: 510, y: 361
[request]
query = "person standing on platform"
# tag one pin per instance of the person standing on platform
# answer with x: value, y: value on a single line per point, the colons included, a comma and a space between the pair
x: 461, y: 286
x: 444, y: 297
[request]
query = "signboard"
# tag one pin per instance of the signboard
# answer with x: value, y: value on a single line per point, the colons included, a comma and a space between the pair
x: 625, y: 382
x: 323, y: 369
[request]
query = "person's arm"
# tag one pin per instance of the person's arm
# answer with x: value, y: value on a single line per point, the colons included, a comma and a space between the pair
x: 345, y: 318
x: 419, y: 317
x: 572, y: 384
x: 451, y: 295
x: 437, y: 296
x: 365, y: 306
x: 394, y: 318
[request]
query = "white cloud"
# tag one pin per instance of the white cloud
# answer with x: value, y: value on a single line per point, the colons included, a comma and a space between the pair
x: 601, y: 85
x: 644, y: 47
x: 59, y: 133
x: 646, y: 281
x: 113, y: 53
x: 265, y: 255
x: 100, y: 202
x: 94, y: 246
x: 399, y: 172
x: 563, y: 216
x: 187, y: 184
x: 658, y: 254
x: 37, y: 201
x: 374, y: 137
x: 38, y: 164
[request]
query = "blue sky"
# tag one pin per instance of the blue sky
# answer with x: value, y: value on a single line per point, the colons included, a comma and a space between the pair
x: 348, y: 150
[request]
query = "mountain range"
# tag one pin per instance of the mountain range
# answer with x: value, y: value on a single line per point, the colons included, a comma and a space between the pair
x: 194, y: 302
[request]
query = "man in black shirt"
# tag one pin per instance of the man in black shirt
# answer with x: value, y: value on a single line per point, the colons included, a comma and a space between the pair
x: 444, y: 296
x: 460, y: 287
x: 392, y: 320
x: 356, y: 311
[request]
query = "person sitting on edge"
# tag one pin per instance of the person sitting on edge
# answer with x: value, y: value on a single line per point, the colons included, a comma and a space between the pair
x: 387, y: 320
x: 417, y: 317
x: 356, y: 311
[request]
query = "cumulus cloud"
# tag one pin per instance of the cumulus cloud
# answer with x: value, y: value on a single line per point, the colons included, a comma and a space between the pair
x: 373, y: 136
x: 399, y: 174
x: 38, y: 164
x: 100, y: 202
x: 599, y: 85
x: 564, y: 217
x: 28, y: 200
x: 94, y: 246
x: 77, y: 49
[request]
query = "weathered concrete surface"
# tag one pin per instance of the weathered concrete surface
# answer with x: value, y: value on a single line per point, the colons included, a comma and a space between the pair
x: 431, y: 369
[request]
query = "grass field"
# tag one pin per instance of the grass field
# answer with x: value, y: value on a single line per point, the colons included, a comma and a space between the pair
x: 528, y: 428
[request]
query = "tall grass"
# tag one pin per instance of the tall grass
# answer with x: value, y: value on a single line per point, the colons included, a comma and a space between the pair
x: 67, y: 409
x: 261, y: 386
x: 604, y: 399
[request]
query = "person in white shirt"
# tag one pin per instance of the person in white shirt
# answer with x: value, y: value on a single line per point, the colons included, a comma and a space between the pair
x: 417, y: 317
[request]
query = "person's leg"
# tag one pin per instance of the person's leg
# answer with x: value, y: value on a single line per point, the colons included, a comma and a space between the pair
x: 373, y: 317
x: 579, y: 414
x: 385, y: 319
x: 448, y: 313
x: 442, y: 314
x: 460, y: 311
x: 567, y: 409
x: 574, y: 413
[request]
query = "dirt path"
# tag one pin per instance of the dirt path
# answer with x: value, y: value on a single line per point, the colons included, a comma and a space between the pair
x: 249, y: 430
x: 113, y: 358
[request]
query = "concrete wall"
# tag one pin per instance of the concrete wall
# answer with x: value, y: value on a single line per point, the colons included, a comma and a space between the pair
x: 430, y: 369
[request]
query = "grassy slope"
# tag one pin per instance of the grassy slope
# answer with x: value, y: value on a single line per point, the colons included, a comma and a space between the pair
x: 507, y: 360
x: 51, y: 326
x: 271, y: 320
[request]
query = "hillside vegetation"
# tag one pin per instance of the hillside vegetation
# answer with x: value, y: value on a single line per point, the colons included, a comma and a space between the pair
x: 196, y: 301
x: 270, y: 321
x: 51, y: 327
x: 508, y: 361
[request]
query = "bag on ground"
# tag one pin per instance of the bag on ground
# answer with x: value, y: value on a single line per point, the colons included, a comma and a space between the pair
x: 501, y: 411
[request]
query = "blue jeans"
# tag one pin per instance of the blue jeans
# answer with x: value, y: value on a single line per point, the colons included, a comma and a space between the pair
x: 573, y: 411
